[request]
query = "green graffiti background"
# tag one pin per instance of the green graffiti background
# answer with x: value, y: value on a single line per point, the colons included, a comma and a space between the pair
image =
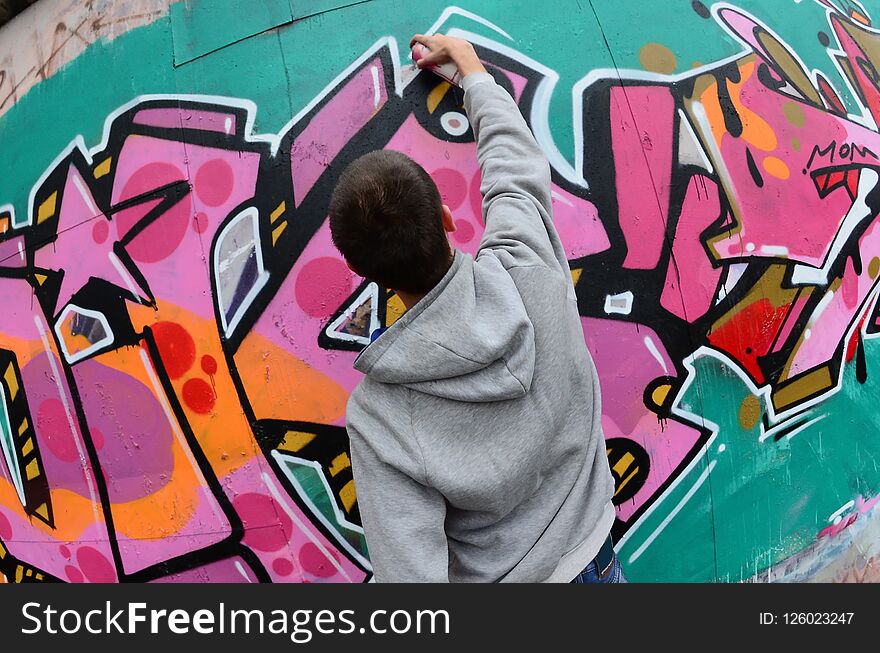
x: 763, y: 501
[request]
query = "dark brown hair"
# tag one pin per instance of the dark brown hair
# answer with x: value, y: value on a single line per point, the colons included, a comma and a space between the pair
x: 386, y: 220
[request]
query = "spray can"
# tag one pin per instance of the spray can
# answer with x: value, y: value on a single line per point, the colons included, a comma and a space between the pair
x: 447, y: 71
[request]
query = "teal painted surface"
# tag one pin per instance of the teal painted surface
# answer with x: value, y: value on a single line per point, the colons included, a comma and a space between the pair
x: 208, y: 25
x: 763, y: 500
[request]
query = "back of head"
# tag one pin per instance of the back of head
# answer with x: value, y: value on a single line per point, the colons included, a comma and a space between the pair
x: 386, y: 220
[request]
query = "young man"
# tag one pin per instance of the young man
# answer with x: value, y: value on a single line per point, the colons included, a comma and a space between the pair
x: 476, y: 441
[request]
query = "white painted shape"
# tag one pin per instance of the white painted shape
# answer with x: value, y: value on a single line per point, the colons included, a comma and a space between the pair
x: 253, y: 215
x: 652, y: 347
x: 242, y: 571
x: 841, y: 510
x: 126, y: 277
x: 461, y: 123
x: 95, y: 346
x: 620, y: 304
x: 377, y: 89
x: 690, y: 150
x: 371, y: 292
x: 458, y: 11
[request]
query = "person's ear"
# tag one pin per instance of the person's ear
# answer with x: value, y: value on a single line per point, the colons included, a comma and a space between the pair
x: 448, y: 220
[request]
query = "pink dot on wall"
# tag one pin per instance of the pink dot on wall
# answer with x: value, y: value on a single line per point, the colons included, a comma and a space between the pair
x: 73, y: 574
x: 100, y: 231
x: 5, y: 528
x: 282, y: 566
x: 163, y: 236
x: 97, y: 437
x: 315, y: 562
x: 464, y: 231
x: 52, y: 419
x: 200, y: 222
x: 213, y: 183
x: 322, y: 285
x: 266, y: 526
x: 95, y: 566
x: 63, y: 550
x: 452, y: 186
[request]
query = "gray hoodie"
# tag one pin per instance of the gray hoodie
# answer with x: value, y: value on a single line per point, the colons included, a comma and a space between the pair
x: 476, y: 437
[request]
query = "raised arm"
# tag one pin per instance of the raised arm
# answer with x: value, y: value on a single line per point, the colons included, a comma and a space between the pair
x: 517, y: 203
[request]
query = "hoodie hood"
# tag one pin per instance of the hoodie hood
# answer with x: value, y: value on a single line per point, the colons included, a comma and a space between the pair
x: 468, y: 339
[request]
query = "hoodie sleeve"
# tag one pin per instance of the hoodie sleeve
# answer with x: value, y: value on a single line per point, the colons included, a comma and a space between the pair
x: 517, y: 203
x: 403, y: 517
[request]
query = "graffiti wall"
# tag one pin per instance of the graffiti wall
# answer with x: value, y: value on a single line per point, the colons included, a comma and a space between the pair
x: 177, y: 330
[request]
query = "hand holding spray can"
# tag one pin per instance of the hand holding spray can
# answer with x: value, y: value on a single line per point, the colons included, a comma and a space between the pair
x: 448, y: 71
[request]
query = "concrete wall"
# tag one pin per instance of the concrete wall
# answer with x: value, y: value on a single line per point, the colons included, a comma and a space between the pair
x: 177, y: 331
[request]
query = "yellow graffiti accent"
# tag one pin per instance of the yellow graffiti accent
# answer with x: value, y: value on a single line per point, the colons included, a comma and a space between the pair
x: 294, y: 441
x: 32, y: 470
x: 47, y: 208
x: 27, y: 447
x: 436, y: 95
x: 103, y: 168
x: 620, y: 468
x: 660, y: 393
x: 576, y: 275
x: 277, y: 212
x: 623, y: 464
x: 394, y: 309
x: 22, y: 427
x: 347, y: 496
x: 339, y: 463
x: 11, y: 382
x: 276, y: 233
x: 43, y: 511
